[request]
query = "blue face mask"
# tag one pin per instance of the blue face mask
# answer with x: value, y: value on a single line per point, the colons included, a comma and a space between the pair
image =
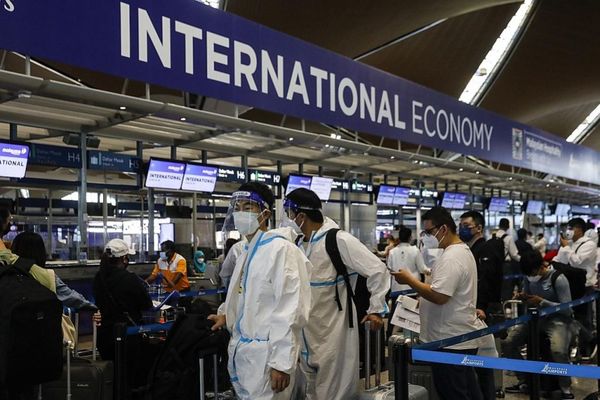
x: 465, y: 234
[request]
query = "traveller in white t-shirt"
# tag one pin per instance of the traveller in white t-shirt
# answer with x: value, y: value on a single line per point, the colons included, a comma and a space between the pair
x: 448, y: 305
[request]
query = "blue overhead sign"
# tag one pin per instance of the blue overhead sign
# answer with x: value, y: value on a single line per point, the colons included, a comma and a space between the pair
x: 55, y: 156
x: 186, y: 45
x: 107, y: 161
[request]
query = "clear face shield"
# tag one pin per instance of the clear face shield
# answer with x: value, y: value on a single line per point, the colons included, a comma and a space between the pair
x: 247, y: 211
x: 291, y: 210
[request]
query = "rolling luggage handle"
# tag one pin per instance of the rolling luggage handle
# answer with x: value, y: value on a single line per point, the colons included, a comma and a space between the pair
x: 201, y: 383
x: 368, y: 356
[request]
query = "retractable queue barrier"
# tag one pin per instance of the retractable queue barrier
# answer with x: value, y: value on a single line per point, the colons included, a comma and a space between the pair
x: 429, y: 352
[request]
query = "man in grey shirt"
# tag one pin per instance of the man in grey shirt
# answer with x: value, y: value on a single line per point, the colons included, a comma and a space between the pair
x: 544, y: 287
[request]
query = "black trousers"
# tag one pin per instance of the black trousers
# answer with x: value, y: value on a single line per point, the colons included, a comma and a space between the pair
x: 453, y: 382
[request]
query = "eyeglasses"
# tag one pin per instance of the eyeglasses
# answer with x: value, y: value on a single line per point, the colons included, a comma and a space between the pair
x: 430, y: 230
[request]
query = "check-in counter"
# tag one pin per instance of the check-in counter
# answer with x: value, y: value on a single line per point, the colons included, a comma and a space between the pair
x: 75, y: 270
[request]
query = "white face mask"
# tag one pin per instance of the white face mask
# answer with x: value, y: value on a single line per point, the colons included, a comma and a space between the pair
x: 246, y: 222
x: 201, y: 260
x: 287, y: 222
x: 428, y: 242
x: 569, y: 233
x: 534, y: 279
x: 163, y: 255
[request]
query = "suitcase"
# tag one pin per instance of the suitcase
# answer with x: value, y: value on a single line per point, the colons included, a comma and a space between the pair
x: 81, y: 379
x: 385, y: 391
x: 204, y: 394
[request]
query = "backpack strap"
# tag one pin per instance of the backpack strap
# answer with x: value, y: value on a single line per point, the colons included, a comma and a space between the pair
x: 336, y: 259
x: 578, y: 247
x: 553, y: 279
x: 23, y: 265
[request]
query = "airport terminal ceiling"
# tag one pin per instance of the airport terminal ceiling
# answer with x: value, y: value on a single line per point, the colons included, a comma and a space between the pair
x: 550, y: 81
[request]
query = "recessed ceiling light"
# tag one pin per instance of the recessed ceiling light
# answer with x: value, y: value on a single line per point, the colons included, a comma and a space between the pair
x: 291, y: 139
x: 122, y: 108
x: 392, y: 157
x: 461, y: 169
x: 477, y: 172
x: 510, y: 178
x: 183, y: 119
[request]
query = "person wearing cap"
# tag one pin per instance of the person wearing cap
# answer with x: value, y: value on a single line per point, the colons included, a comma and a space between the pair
x: 268, y: 300
x: 121, y: 296
x: 330, y: 347
x: 172, y: 267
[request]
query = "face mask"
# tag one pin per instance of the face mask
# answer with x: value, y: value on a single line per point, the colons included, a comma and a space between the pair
x: 569, y: 234
x: 287, y: 222
x: 201, y: 260
x: 435, y: 242
x: 163, y: 255
x: 533, y: 279
x: 428, y: 242
x: 465, y: 234
x: 246, y: 222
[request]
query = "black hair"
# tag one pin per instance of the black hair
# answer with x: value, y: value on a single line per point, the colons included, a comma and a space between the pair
x: 4, y: 215
x: 404, y: 234
x: 30, y: 245
x: 530, y: 262
x: 228, y: 245
x: 476, y: 217
x: 590, y: 225
x: 522, y: 234
x: 504, y: 224
x: 309, y: 199
x: 168, y: 245
x: 262, y: 190
x: 541, y: 235
x: 440, y: 216
x: 578, y: 223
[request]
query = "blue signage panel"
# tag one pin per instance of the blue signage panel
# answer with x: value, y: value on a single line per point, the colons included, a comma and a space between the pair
x: 231, y: 174
x: 266, y: 177
x: 297, y: 181
x: 386, y: 195
x: 189, y: 46
x: 55, y: 156
x: 107, y: 161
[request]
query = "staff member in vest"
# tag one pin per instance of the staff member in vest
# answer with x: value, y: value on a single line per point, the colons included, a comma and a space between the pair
x: 268, y: 300
x: 330, y: 359
x: 448, y: 305
x: 577, y: 250
x: 172, y: 267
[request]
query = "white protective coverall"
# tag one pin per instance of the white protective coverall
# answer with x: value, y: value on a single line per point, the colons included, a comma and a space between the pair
x: 267, y: 306
x: 330, y: 351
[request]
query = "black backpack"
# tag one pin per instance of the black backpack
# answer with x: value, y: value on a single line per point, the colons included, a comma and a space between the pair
x: 576, y: 277
x: 31, y: 342
x: 361, y: 296
x: 175, y: 371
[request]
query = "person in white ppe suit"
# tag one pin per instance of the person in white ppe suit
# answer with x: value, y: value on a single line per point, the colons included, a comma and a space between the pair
x: 268, y: 301
x: 330, y: 349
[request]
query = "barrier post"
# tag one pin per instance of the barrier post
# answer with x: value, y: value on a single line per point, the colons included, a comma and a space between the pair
x: 120, y: 332
x: 533, y: 351
x: 400, y: 358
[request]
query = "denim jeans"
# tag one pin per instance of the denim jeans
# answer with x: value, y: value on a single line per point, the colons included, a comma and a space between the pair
x: 558, y: 331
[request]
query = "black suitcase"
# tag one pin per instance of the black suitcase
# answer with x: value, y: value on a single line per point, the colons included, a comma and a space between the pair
x: 82, y: 378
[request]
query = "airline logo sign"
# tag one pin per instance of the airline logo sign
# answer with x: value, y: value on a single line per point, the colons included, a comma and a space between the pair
x: 189, y: 46
x: 13, y: 160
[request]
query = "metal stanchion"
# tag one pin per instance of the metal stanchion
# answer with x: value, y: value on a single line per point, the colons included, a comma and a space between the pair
x: 367, y: 355
x: 533, y: 351
x: 216, y: 375
x: 120, y: 332
x: 201, y: 378
x: 378, y: 357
